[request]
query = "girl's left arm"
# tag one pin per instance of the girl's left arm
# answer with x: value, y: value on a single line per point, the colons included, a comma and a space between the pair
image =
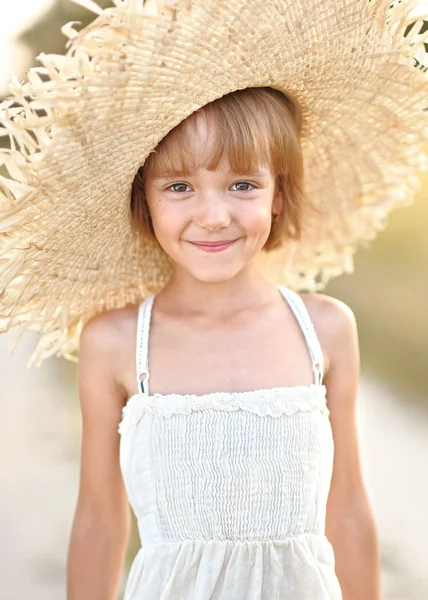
x: 350, y: 525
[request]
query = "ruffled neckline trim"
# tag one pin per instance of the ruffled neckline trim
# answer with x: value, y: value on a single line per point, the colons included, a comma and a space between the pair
x: 273, y: 402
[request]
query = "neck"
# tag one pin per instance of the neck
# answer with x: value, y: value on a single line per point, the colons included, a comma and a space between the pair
x: 191, y: 296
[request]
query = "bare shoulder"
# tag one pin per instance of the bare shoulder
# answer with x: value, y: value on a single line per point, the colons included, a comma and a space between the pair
x: 335, y: 325
x: 109, y: 328
x: 107, y: 343
x: 102, y: 501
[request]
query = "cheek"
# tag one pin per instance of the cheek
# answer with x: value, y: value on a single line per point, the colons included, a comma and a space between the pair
x: 256, y: 219
x: 166, y: 218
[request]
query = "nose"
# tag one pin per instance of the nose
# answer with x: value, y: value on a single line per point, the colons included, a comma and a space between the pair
x: 213, y: 213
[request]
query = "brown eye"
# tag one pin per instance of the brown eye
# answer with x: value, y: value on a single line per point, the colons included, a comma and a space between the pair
x: 177, y: 184
x: 247, y: 183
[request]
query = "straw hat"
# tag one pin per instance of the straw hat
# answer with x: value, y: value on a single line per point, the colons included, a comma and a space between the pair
x: 79, y: 135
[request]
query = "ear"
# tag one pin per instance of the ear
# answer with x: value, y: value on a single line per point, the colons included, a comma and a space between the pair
x: 278, y: 198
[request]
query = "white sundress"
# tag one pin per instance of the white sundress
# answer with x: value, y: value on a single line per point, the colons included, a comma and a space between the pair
x: 230, y: 489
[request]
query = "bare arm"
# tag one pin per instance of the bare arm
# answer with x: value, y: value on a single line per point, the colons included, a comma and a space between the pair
x: 350, y: 525
x: 102, y: 520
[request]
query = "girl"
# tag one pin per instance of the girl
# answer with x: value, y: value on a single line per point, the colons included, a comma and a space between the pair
x: 235, y: 398
x: 234, y: 395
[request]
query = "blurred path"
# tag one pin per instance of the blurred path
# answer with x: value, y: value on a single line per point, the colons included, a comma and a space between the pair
x: 40, y: 444
x: 394, y: 448
x: 39, y: 447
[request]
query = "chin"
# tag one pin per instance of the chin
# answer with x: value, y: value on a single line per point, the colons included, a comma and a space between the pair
x: 214, y: 275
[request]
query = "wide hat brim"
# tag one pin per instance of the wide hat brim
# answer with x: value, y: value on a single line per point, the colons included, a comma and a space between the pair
x: 82, y: 124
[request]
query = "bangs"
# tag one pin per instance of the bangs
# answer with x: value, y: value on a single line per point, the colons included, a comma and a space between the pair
x: 239, y: 127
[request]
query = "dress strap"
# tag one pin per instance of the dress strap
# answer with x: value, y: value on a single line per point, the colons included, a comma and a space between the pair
x: 302, y: 315
x: 295, y: 302
x: 142, y: 353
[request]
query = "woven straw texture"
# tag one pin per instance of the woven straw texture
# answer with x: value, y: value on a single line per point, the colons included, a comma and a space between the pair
x: 81, y: 124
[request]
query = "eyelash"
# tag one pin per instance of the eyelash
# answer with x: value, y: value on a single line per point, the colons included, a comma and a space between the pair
x: 180, y: 183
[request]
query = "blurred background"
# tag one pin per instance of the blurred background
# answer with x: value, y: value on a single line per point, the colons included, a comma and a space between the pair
x: 40, y: 429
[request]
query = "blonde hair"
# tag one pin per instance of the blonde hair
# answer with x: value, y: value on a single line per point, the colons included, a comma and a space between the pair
x: 252, y: 127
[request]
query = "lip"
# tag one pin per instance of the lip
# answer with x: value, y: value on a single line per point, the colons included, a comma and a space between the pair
x: 214, y: 246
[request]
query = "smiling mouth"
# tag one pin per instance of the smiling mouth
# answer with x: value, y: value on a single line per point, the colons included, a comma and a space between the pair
x: 214, y: 246
x: 214, y: 243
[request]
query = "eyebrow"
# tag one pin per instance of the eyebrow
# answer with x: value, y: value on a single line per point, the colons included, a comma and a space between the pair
x: 258, y: 173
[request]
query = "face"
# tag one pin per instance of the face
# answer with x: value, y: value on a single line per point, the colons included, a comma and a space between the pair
x: 210, y: 207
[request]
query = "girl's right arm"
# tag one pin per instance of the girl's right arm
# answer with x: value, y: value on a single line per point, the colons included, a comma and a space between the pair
x: 101, y: 523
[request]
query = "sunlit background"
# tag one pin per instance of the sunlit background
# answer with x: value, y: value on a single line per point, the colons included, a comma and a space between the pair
x: 40, y: 429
